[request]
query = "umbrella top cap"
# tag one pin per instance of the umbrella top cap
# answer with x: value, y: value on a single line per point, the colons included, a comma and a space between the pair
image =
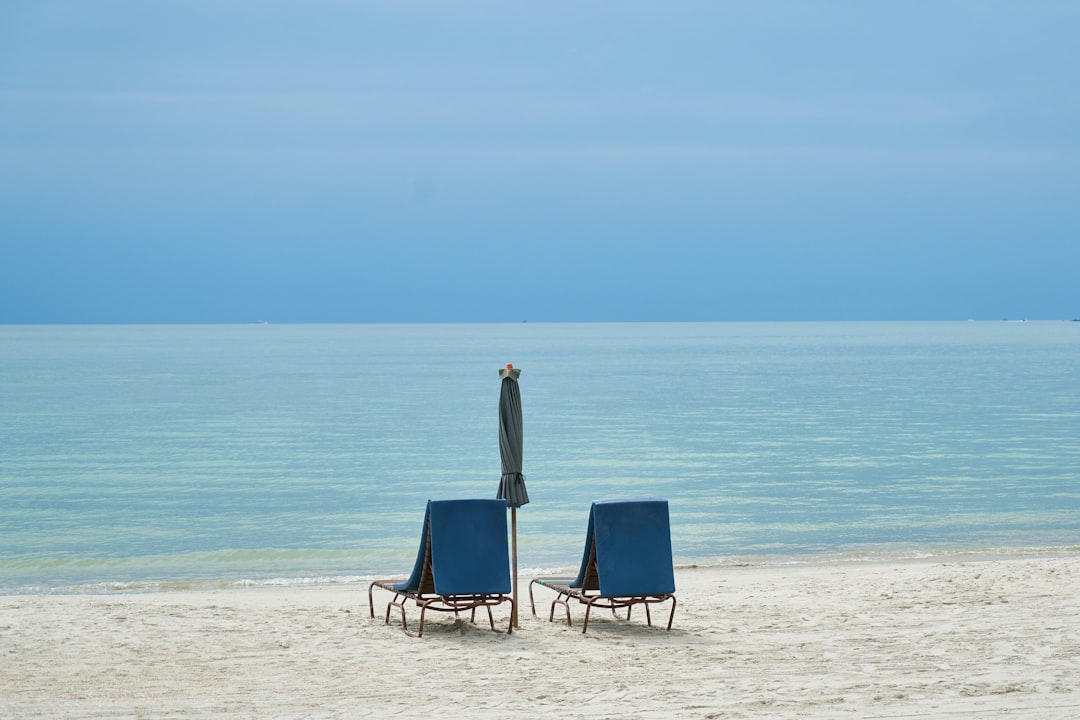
x: 509, y: 372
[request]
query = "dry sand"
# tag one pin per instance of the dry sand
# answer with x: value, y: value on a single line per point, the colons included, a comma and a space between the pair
x: 983, y: 638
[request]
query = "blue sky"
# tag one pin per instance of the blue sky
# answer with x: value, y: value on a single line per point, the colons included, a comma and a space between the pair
x: 429, y: 161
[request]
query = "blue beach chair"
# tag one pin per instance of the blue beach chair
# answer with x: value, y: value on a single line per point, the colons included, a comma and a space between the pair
x: 627, y: 562
x: 463, y: 563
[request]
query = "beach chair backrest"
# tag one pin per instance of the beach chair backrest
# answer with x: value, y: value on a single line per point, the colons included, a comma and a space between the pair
x: 469, y: 550
x: 586, y: 577
x: 420, y: 577
x: 633, y: 547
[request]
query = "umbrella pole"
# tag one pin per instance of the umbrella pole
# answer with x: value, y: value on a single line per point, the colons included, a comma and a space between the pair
x: 513, y: 546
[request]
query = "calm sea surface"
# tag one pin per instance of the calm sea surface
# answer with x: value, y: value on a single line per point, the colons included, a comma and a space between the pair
x: 158, y: 457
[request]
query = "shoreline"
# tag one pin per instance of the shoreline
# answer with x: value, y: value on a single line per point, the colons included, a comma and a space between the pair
x: 924, y: 637
x: 151, y: 585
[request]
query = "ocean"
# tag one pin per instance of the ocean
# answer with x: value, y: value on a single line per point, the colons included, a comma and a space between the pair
x: 151, y: 458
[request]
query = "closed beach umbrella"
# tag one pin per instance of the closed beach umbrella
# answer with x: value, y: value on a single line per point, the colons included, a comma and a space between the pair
x: 511, y: 442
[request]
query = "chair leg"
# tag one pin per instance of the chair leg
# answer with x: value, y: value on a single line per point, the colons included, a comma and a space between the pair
x: 585, y: 624
x: 420, y: 630
x: 566, y: 605
x: 404, y: 623
x: 398, y: 603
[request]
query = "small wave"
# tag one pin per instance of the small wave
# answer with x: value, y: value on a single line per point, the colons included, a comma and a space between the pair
x: 302, y: 581
x: 883, y: 556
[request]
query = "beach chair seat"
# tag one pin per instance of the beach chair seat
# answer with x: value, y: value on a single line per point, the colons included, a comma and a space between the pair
x: 463, y: 563
x: 627, y: 562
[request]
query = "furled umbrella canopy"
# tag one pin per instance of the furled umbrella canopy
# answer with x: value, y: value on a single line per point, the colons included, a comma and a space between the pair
x: 511, y: 440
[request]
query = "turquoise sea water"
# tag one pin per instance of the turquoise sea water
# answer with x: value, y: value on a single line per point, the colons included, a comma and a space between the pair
x: 154, y: 457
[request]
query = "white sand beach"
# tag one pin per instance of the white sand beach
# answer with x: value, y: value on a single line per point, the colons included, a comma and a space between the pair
x: 983, y: 638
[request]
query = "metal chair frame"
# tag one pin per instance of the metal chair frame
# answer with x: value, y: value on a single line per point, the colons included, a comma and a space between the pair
x: 427, y: 599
